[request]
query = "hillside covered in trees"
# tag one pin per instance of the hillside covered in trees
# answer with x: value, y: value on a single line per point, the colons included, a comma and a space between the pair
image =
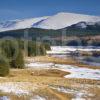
x: 82, y: 34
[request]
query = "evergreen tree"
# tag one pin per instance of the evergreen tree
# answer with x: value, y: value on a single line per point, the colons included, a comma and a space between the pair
x: 31, y: 48
x: 8, y: 49
x: 18, y: 62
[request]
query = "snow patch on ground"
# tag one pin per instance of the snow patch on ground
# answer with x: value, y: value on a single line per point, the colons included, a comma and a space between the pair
x: 76, y: 72
x: 18, y: 88
x: 39, y: 65
x: 38, y: 98
x: 68, y: 49
x: 78, y: 94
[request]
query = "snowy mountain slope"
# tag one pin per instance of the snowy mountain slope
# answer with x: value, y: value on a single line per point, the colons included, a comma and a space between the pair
x: 62, y: 20
x: 19, y: 24
x: 86, y: 24
x: 58, y: 21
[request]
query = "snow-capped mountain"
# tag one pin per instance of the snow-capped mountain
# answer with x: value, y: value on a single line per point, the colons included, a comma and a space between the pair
x: 20, y: 24
x: 58, y: 21
x: 62, y: 20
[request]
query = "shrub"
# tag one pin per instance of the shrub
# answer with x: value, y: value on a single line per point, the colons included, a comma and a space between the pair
x: 47, y: 46
x: 4, y: 67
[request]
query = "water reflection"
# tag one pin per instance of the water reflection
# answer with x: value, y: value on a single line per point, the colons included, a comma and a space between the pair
x: 86, y: 55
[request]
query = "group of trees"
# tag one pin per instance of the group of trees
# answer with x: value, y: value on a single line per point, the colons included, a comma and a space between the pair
x: 36, y: 49
x: 12, y: 53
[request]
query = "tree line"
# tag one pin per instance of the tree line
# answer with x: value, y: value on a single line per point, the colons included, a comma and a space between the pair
x: 12, y: 53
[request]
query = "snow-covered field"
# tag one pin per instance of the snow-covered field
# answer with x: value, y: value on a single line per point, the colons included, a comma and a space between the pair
x: 76, y: 72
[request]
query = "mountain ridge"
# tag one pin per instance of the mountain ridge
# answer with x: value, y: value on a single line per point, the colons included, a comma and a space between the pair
x: 55, y: 22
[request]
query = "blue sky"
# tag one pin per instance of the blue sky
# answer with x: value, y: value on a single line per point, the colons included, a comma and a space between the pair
x: 19, y: 9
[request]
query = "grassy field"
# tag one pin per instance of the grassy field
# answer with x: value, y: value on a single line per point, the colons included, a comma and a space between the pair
x: 50, y: 83
x: 45, y: 79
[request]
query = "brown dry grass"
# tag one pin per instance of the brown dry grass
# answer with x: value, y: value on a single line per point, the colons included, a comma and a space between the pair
x: 49, y: 72
x: 45, y: 78
x: 48, y: 78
